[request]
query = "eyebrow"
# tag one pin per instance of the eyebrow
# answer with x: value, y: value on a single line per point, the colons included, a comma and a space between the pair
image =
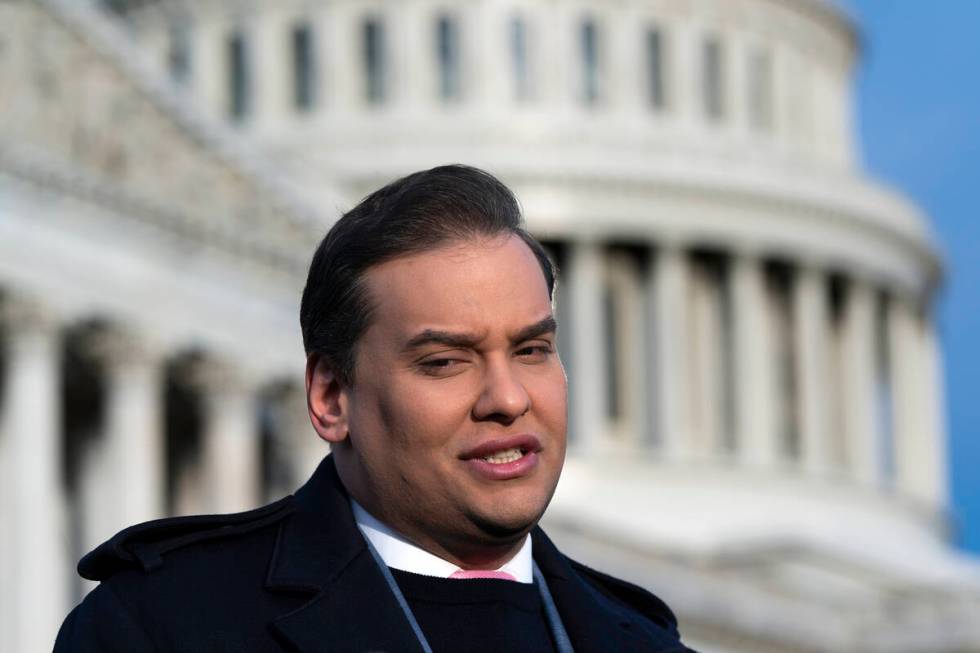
x: 468, y: 340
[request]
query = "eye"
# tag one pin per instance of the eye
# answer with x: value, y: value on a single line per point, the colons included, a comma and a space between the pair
x: 536, y: 353
x: 440, y: 366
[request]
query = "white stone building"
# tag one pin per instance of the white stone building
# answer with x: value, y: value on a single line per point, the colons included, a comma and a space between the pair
x: 756, y: 390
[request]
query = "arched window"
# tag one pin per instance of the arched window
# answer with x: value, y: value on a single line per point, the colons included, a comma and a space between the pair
x: 239, y: 77
x: 374, y: 61
x: 654, y: 50
x: 760, y: 90
x: 519, y: 58
x: 589, y: 47
x: 304, y: 67
x: 712, y: 79
x: 447, y: 57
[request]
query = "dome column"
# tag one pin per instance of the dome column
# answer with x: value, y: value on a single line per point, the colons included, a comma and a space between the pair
x: 588, y: 375
x: 811, y: 323
x: 134, y: 444
x: 931, y: 386
x: 35, y: 565
x: 919, y: 449
x: 670, y: 285
x: 755, y: 434
x: 861, y: 432
x: 230, y: 474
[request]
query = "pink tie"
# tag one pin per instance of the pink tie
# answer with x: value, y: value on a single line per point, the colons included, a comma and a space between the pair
x: 479, y: 573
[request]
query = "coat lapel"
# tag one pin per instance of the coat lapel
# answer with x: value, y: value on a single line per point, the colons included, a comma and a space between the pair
x: 321, y: 552
x: 593, y: 623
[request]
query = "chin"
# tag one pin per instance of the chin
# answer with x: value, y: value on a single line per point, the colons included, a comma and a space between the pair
x: 504, y: 524
x: 507, y: 530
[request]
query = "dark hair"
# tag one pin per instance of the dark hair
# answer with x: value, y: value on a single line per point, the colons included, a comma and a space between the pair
x: 413, y: 214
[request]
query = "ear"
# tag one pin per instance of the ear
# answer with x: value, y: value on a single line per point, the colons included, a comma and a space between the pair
x: 326, y: 400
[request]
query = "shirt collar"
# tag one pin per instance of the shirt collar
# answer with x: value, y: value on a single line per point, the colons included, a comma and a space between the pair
x: 398, y: 553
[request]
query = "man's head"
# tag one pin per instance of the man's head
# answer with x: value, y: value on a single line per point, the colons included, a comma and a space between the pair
x: 428, y: 324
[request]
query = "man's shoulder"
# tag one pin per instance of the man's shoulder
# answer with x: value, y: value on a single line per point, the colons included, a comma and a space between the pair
x: 173, y: 583
x: 629, y: 596
x: 148, y: 546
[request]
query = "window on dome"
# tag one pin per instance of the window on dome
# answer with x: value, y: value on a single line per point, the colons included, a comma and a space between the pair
x: 519, y: 58
x: 589, y: 41
x: 304, y: 67
x: 712, y: 79
x: 239, y: 77
x: 655, y: 68
x: 375, y: 82
x: 447, y: 57
x: 179, y: 52
x: 760, y: 91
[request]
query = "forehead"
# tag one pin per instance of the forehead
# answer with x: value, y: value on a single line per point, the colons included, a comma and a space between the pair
x: 471, y: 284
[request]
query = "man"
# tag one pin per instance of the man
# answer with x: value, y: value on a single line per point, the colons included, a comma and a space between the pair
x: 432, y: 372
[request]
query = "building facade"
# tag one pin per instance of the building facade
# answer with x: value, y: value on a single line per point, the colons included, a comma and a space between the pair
x: 756, y: 397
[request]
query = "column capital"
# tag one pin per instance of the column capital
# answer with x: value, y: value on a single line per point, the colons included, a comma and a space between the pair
x: 119, y: 346
x: 671, y: 245
x: 214, y: 375
x: 20, y: 314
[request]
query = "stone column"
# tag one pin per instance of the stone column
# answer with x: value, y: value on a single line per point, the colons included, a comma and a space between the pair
x: 670, y: 288
x: 625, y: 70
x: 209, y: 76
x: 270, y: 49
x: 919, y: 451
x: 412, y: 78
x: 861, y: 433
x: 707, y: 374
x: 340, y: 51
x: 134, y: 445
x: 904, y: 416
x: 36, y: 569
x: 935, y: 486
x: 683, y: 71
x: 811, y: 322
x: 756, y: 440
x: 485, y: 51
x: 587, y: 380
x: 230, y: 473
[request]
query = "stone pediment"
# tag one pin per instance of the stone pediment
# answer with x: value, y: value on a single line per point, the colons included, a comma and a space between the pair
x: 80, y: 109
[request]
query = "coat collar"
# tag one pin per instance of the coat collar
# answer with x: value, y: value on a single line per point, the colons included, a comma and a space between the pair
x: 320, y: 551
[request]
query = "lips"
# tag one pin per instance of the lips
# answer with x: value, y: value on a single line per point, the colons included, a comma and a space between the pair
x: 504, y: 459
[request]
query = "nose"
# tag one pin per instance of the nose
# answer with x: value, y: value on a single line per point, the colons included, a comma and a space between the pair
x: 503, y: 397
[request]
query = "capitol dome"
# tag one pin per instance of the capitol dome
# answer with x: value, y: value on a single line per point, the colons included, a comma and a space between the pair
x: 746, y: 318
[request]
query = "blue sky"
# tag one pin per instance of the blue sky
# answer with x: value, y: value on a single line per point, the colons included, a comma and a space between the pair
x: 918, y: 94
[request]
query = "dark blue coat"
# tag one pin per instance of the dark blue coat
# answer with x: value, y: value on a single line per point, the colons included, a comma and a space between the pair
x: 297, y: 576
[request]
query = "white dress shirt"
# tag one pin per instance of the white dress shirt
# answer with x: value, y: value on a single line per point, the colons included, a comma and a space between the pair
x: 398, y: 553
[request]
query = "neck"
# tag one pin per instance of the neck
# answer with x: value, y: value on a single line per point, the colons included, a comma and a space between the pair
x: 475, y: 549
x: 459, y: 552
x: 466, y: 555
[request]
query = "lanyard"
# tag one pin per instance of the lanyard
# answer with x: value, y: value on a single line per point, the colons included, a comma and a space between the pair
x: 558, y: 633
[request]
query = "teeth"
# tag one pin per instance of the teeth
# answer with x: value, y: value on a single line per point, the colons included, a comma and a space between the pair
x: 505, y: 456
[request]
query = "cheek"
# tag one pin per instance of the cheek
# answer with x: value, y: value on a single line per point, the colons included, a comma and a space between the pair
x: 424, y: 412
x: 551, y: 396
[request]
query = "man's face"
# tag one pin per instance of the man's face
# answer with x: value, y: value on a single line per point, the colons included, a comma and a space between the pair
x: 457, y: 415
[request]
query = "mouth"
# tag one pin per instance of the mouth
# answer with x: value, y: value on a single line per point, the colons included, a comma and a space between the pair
x: 504, y: 458
x: 504, y: 450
